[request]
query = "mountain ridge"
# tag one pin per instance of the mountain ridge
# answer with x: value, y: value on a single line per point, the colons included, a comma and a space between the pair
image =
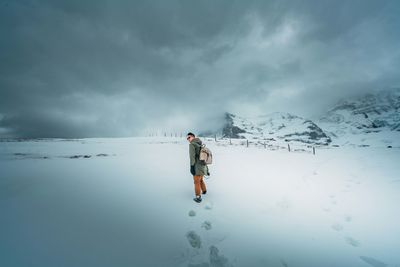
x: 352, y: 120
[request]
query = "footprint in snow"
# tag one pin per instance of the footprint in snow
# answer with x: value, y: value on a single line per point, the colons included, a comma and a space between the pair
x: 373, y: 262
x: 284, y: 263
x: 283, y: 204
x: 209, y: 206
x: 326, y: 209
x: 194, y: 239
x: 337, y: 227
x: 206, y: 225
x: 217, y: 260
x: 348, y: 218
x: 192, y: 213
x: 352, y: 241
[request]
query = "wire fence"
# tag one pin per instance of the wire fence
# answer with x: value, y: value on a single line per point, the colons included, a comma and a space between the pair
x: 267, y: 143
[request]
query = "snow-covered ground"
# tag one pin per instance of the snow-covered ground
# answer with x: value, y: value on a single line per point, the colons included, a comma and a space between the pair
x: 129, y: 203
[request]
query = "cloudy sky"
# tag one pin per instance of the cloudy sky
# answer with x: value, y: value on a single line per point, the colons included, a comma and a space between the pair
x: 120, y: 68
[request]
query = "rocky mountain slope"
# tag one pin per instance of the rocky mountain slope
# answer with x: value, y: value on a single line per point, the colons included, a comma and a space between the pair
x: 277, y: 126
x: 365, y: 120
x: 370, y: 113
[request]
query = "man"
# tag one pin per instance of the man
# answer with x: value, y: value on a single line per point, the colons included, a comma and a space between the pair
x: 197, y: 168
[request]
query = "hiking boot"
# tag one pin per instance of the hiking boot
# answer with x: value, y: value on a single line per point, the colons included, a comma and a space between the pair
x: 204, y: 192
x: 197, y: 199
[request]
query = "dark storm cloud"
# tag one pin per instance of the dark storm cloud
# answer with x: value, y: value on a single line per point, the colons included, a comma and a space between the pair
x: 118, y: 68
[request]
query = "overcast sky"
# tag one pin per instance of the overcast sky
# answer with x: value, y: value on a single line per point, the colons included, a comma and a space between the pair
x: 119, y: 68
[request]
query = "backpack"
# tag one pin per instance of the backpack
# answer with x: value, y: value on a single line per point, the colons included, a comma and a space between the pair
x: 205, y: 155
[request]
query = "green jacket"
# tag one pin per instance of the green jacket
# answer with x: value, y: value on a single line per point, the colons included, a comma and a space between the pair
x: 194, y: 154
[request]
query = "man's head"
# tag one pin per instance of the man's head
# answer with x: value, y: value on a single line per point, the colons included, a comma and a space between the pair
x: 190, y: 137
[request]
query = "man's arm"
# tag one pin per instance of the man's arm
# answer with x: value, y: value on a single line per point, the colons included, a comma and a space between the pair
x: 192, y: 153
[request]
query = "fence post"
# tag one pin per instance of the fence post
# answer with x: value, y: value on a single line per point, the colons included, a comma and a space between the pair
x: 288, y: 147
x: 215, y: 137
x: 313, y: 150
x: 230, y: 140
x: 247, y: 141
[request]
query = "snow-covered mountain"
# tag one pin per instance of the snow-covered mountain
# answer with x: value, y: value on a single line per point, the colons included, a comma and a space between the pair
x: 275, y: 127
x: 372, y: 119
x: 362, y: 119
x: 370, y: 113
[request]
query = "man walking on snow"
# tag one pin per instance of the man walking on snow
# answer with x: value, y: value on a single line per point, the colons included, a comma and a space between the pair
x: 197, y: 168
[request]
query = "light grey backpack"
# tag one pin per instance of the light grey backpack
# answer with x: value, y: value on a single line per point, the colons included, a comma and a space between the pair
x: 205, y: 155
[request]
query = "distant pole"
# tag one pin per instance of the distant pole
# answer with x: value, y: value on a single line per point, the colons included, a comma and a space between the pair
x: 265, y: 146
x: 247, y: 142
x: 288, y: 147
x: 165, y: 134
x: 313, y: 150
x: 215, y: 137
x: 230, y: 140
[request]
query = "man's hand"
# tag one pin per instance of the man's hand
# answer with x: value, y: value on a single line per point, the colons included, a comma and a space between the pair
x: 192, y: 171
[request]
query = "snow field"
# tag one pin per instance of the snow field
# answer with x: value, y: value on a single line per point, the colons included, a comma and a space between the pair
x: 134, y: 205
